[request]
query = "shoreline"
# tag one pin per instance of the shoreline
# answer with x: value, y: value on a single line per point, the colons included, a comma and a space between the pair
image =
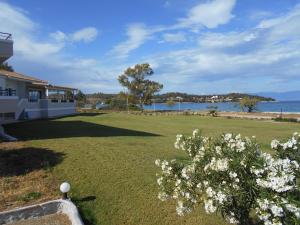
x: 232, y: 114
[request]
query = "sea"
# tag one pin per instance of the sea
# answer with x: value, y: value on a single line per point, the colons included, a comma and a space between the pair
x: 280, y: 106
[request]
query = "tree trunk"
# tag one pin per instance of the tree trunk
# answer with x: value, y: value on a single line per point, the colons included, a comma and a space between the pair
x: 141, y: 104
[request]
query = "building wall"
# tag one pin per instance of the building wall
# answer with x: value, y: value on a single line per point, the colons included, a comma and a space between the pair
x: 8, y: 107
x: 19, y: 86
x: 8, y: 104
x: 2, y: 82
x: 6, y: 50
x: 44, y: 108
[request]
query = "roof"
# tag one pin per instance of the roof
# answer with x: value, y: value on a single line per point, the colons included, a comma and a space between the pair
x: 23, y: 77
x: 55, y: 87
x: 33, y: 80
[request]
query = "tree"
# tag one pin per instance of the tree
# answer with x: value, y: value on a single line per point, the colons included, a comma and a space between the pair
x: 170, y: 103
x: 5, y: 66
x: 80, y: 98
x: 69, y: 94
x: 134, y: 79
x: 249, y: 104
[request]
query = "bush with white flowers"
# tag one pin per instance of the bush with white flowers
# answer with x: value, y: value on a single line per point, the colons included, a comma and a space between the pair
x: 231, y: 176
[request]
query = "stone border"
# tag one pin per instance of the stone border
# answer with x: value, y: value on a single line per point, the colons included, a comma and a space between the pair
x: 66, y: 207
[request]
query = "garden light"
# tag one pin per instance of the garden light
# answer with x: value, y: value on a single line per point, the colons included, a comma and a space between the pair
x: 65, y: 188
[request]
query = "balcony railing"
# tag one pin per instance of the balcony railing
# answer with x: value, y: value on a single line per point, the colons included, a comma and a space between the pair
x: 5, y: 36
x: 53, y: 100
x: 8, y: 92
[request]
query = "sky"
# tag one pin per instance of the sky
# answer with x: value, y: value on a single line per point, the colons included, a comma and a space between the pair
x: 194, y: 46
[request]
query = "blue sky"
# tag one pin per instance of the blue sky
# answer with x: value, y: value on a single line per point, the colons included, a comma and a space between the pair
x: 194, y: 46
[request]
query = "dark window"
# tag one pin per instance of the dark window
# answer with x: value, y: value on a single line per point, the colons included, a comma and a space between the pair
x: 34, y: 96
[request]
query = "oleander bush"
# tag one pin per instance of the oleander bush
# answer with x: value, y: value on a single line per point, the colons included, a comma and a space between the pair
x: 231, y: 176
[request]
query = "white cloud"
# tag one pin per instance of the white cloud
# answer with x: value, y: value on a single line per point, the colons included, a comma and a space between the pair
x: 15, y: 21
x: 174, y: 37
x: 260, y: 14
x: 86, y: 35
x: 137, y: 34
x: 59, y: 36
x: 209, y: 14
x: 253, y: 60
x: 283, y: 28
x: 250, y: 60
x: 47, y: 59
x: 223, y: 40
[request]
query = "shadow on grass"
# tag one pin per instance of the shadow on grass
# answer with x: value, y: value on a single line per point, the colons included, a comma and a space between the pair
x: 87, y: 215
x: 24, y: 160
x: 86, y: 114
x: 85, y: 212
x: 52, y: 129
x: 84, y: 199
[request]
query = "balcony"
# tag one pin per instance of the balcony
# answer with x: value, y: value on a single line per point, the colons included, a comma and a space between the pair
x: 8, y: 92
x: 6, y: 46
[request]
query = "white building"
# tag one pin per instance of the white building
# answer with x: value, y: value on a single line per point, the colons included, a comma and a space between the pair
x: 24, y: 97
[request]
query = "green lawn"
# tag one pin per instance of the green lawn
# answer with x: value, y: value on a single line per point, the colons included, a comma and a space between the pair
x: 109, y: 160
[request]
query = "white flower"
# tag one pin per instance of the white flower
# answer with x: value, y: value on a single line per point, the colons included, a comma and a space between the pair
x: 157, y: 162
x: 227, y: 137
x: 231, y: 218
x: 163, y: 196
x: 181, y: 209
x: 277, y: 211
x: 209, y: 206
x: 222, y: 164
x: 292, y: 208
x: 199, y: 185
x: 160, y: 180
x: 196, y: 132
x: 218, y: 150
x: 210, y: 192
x: 232, y: 174
x: 220, y: 197
x: 274, y: 144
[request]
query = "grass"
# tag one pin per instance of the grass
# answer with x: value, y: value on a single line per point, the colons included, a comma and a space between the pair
x: 109, y: 160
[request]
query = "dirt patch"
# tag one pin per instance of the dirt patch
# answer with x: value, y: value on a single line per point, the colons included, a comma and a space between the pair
x: 54, y: 219
x: 25, y: 175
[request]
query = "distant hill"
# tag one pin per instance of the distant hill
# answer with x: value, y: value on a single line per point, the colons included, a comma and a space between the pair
x: 184, y: 97
x: 282, y: 96
x: 231, y: 97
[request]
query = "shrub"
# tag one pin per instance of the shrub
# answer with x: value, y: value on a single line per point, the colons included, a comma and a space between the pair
x: 212, y: 111
x: 280, y: 119
x: 231, y: 176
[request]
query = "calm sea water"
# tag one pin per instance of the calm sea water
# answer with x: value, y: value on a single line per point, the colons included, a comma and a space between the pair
x: 285, y: 106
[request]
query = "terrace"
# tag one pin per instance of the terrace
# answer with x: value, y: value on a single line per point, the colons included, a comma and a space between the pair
x: 6, y: 46
x: 25, y: 97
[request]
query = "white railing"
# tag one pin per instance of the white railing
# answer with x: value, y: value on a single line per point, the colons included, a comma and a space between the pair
x: 5, y: 36
x: 21, y: 107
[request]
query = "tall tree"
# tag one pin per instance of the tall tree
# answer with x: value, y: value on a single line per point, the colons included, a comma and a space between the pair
x: 134, y: 79
x: 80, y: 96
x: 5, y: 66
x: 248, y: 104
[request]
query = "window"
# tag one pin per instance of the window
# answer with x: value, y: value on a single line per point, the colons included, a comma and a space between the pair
x: 34, y: 95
